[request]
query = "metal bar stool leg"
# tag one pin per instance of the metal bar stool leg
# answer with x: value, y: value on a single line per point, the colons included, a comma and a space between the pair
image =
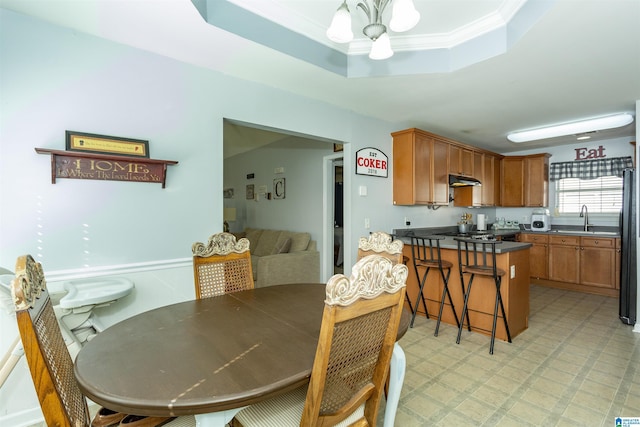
x: 464, y: 309
x: 495, y: 316
x: 405, y: 259
x: 445, y: 291
x: 420, y: 295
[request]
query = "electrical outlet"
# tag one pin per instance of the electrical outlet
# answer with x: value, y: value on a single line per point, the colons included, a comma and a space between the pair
x: 367, y: 223
x: 406, y: 221
x: 513, y: 271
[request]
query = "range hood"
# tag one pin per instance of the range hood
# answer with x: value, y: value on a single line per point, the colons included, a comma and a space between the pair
x: 462, y: 181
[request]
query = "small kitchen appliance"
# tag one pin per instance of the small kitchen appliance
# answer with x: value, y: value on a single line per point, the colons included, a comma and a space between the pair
x: 540, y: 220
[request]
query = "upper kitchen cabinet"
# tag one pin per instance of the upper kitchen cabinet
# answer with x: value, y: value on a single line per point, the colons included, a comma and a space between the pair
x: 536, y: 180
x: 461, y: 160
x: 486, y: 170
x: 525, y: 181
x: 420, y: 173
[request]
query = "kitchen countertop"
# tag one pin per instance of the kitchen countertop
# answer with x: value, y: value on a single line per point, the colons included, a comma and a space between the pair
x: 450, y: 243
x: 612, y: 232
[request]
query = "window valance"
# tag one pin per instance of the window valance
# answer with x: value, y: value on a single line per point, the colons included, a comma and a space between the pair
x: 590, y: 169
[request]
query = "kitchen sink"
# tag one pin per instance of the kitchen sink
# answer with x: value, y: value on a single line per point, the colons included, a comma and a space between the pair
x: 597, y: 233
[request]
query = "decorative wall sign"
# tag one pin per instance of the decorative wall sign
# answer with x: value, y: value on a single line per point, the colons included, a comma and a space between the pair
x: 278, y: 188
x: 102, y: 144
x: 79, y: 165
x: 590, y: 153
x: 228, y: 193
x: 250, y: 192
x: 371, y: 161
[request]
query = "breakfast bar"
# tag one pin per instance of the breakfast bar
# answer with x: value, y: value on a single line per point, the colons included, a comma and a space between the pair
x: 512, y: 257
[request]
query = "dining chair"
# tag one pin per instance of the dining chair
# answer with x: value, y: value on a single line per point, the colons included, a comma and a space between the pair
x: 50, y: 363
x: 383, y: 244
x: 221, y: 266
x: 359, y: 326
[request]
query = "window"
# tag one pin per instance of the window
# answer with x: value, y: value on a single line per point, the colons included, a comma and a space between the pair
x: 601, y: 195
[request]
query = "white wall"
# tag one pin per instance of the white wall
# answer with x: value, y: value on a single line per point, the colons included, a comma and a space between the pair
x: 54, y: 79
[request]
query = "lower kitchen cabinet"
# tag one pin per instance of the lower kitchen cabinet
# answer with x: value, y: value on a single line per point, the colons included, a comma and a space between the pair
x: 579, y: 263
x: 598, y: 262
x: 538, y: 254
x: 564, y: 258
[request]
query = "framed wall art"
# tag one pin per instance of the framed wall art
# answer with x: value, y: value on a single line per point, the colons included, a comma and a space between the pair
x: 103, y: 144
x: 278, y: 188
x: 250, y: 192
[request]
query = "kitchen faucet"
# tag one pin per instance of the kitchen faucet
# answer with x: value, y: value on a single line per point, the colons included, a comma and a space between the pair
x: 584, y: 212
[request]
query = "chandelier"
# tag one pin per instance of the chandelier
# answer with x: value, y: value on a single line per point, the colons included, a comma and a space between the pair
x: 403, y: 18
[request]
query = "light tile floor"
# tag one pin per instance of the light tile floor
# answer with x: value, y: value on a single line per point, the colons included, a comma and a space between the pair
x: 576, y: 365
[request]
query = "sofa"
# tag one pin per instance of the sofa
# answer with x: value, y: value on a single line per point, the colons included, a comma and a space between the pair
x: 279, y: 257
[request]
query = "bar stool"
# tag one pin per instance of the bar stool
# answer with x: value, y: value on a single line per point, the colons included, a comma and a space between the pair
x: 478, y: 257
x: 426, y: 255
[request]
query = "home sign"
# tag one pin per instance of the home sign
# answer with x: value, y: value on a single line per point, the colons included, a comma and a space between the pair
x: 80, y: 165
x: 371, y: 161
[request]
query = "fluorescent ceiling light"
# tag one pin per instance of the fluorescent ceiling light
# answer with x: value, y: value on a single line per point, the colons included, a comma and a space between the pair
x: 573, y: 128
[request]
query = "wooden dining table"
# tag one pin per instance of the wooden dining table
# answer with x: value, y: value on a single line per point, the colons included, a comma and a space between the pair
x: 212, y: 357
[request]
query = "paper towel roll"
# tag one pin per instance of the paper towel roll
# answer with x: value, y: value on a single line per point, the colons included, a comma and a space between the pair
x: 482, y: 225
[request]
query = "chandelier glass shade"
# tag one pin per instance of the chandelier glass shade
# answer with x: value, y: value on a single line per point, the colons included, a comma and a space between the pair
x: 404, y: 17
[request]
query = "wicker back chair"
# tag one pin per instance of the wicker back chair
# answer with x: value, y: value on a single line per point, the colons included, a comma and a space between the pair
x: 381, y: 243
x: 359, y: 326
x: 62, y: 402
x: 221, y: 266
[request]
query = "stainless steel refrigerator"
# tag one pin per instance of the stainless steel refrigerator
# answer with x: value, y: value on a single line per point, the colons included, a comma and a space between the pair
x: 628, y: 234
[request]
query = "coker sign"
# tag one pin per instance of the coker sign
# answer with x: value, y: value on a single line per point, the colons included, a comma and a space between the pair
x: 371, y: 161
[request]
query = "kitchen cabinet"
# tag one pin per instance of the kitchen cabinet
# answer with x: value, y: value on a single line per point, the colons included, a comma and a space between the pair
x: 578, y: 263
x: 484, y: 169
x: 512, y: 181
x: 461, y: 160
x: 564, y: 258
x: 420, y: 174
x: 538, y: 254
x: 598, y: 262
x: 525, y: 181
x: 536, y: 180
x: 490, y: 180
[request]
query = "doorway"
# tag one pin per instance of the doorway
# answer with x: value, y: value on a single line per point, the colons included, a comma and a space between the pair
x: 239, y: 138
x: 338, y: 217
